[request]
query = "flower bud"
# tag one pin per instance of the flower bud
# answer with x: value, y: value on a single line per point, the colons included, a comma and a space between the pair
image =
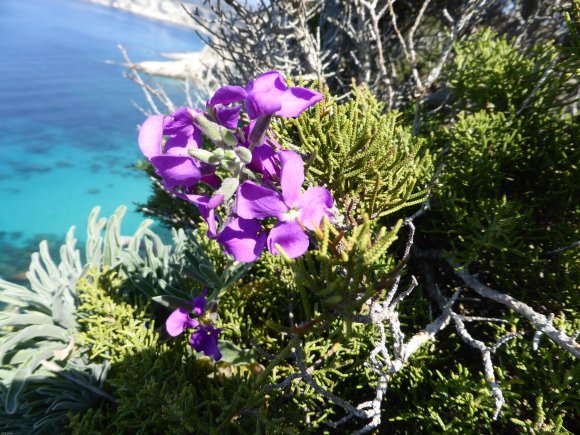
x: 230, y: 155
x: 204, y: 156
x: 258, y: 133
x: 228, y: 138
x: 244, y: 154
x: 216, y: 133
x: 209, y: 129
x: 218, y: 153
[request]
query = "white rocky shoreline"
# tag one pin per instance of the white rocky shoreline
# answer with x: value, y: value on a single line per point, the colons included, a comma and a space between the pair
x: 170, y: 11
x: 192, y: 66
x: 182, y: 66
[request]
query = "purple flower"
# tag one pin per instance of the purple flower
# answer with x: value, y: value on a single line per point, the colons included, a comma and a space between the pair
x: 268, y: 95
x: 294, y: 210
x: 205, y: 336
x: 172, y: 162
x: 245, y: 239
x: 226, y: 116
x: 206, y: 207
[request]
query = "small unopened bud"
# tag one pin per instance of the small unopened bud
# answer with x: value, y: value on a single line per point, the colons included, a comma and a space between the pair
x: 228, y: 138
x: 219, y: 153
x: 244, y: 154
x: 230, y: 155
x: 204, y: 156
x: 230, y: 165
x: 258, y: 133
x: 210, y: 129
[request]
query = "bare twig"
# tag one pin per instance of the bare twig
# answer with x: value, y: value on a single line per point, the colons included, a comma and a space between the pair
x: 541, y: 322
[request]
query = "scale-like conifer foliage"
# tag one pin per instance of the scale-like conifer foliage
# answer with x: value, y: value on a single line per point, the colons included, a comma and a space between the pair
x: 368, y: 160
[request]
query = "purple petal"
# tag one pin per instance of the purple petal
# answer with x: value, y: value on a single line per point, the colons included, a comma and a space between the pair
x: 240, y: 238
x: 179, y: 144
x: 290, y: 237
x: 264, y: 94
x: 262, y: 104
x: 205, y: 340
x: 257, y: 202
x: 271, y: 81
x: 212, y: 180
x: 228, y: 116
x: 179, y: 122
x: 176, y: 171
x: 264, y: 162
x: 297, y: 100
x: 206, y: 207
x: 198, y: 304
x: 291, y: 176
x: 151, y: 136
x: 216, y: 200
x: 227, y: 95
x: 314, y: 204
x: 179, y: 321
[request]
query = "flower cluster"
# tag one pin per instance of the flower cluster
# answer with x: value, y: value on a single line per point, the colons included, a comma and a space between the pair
x: 261, y: 192
x: 205, y: 336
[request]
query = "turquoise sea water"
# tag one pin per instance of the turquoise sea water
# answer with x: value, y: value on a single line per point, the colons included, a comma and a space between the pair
x: 68, y: 128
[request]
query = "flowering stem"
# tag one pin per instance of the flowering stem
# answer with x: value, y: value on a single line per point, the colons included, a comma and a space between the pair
x: 258, y: 133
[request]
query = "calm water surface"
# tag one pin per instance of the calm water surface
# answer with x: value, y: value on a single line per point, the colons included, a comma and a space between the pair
x: 68, y: 128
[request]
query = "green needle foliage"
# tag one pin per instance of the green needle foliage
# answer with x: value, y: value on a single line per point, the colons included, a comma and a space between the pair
x: 364, y: 156
x: 510, y: 187
x: 346, y: 269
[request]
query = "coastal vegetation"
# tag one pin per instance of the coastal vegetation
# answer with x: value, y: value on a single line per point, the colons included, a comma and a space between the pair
x: 381, y: 236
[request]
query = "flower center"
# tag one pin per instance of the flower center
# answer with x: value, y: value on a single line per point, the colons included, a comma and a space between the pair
x: 292, y: 214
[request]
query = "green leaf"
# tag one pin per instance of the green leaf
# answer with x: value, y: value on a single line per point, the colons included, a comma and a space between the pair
x: 172, y: 302
x: 234, y: 355
x: 16, y: 319
x: 211, y: 276
x: 18, y: 381
x: 11, y: 341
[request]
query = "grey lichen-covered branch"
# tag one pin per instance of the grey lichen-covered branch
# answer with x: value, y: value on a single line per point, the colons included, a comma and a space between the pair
x: 390, y: 353
x: 542, y: 323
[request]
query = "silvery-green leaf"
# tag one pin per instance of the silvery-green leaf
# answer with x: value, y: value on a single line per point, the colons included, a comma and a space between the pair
x: 234, y: 355
x: 228, y: 188
x: 172, y: 302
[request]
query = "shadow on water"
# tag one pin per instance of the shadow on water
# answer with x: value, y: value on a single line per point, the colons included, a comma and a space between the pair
x: 15, y: 253
x: 16, y: 250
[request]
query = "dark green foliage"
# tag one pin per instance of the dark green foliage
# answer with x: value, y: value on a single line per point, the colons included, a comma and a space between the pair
x: 340, y: 280
x: 510, y: 188
x: 508, y: 205
x: 460, y: 401
x: 158, y: 387
x: 491, y: 73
